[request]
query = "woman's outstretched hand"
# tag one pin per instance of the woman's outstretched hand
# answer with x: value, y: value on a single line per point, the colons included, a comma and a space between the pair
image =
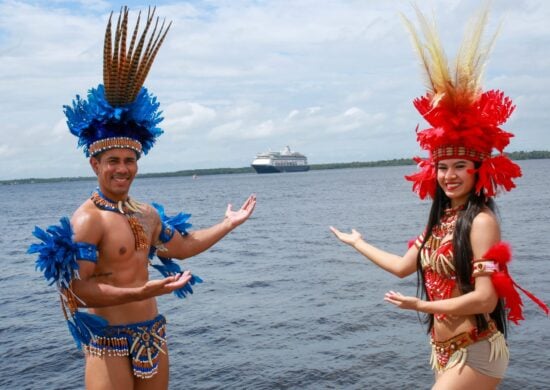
x: 347, y: 238
x: 402, y: 301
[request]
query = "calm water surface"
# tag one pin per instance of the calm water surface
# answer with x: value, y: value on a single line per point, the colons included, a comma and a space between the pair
x: 284, y: 305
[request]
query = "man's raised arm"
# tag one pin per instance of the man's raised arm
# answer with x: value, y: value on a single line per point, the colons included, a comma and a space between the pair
x: 185, y: 246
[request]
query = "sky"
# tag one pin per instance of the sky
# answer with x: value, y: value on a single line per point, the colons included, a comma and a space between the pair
x: 333, y: 79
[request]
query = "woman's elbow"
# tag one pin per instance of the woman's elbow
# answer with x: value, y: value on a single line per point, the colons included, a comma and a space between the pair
x: 488, y: 303
x: 404, y: 270
x: 402, y: 273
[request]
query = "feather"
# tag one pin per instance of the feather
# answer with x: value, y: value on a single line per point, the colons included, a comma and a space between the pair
x: 76, y: 335
x: 465, y: 87
x: 150, y: 54
x: 107, y: 55
x: 129, y: 59
x: 170, y: 268
x: 113, y: 94
x: 178, y: 221
x: 506, y: 287
x: 497, y: 172
x: 125, y: 70
x: 424, y: 183
x: 92, y: 321
x: 419, y: 48
x: 94, y: 119
x: 500, y: 253
x: 123, y: 63
x: 56, y: 253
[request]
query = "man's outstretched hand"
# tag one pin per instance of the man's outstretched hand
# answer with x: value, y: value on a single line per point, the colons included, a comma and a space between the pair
x: 235, y: 218
x: 167, y: 285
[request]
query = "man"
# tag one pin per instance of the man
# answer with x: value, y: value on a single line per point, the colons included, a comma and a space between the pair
x: 117, y: 286
x: 100, y: 259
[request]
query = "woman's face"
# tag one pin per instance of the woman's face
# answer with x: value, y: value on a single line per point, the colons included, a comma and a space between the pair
x: 456, y: 177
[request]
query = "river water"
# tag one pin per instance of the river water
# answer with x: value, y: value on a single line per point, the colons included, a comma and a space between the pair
x: 284, y: 305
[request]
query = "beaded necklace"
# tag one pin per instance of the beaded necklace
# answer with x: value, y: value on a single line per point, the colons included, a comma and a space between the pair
x: 129, y: 208
x: 447, y: 223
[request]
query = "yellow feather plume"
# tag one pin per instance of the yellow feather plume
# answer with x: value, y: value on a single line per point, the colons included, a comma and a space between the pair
x: 462, y: 85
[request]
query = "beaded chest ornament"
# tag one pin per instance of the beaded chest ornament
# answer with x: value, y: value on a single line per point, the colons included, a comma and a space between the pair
x: 130, y: 209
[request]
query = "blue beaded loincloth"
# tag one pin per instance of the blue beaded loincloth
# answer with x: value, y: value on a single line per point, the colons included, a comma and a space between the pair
x: 141, y: 341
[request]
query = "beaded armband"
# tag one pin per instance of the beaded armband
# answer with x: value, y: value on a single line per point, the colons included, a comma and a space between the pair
x: 166, y: 233
x: 484, y: 267
x: 418, y: 242
x: 85, y: 251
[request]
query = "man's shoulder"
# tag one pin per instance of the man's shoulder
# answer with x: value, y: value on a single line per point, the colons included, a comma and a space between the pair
x: 148, y: 210
x: 86, y: 213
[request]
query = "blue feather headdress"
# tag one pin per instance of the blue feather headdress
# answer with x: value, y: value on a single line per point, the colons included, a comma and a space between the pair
x: 121, y: 113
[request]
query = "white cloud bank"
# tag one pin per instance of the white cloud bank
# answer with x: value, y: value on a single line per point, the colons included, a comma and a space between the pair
x: 334, y: 80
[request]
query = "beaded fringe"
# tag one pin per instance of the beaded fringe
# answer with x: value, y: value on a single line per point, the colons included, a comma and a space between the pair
x: 118, y: 346
x: 139, y: 233
x: 458, y: 358
x: 144, y: 351
x: 498, y: 347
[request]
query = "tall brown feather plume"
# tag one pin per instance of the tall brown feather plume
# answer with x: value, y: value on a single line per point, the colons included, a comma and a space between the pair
x: 463, y: 85
x: 150, y: 54
x: 107, y: 56
x: 112, y: 94
x: 122, y: 64
x: 125, y: 71
x: 131, y: 64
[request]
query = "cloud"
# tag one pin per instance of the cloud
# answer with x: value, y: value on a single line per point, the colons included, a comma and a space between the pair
x: 335, y: 80
x: 186, y: 118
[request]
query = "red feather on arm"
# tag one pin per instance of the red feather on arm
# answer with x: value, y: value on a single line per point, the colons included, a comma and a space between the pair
x: 505, y: 286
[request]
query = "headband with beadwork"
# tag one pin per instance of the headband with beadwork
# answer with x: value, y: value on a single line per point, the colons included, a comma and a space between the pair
x: 121, y: 113
x: 465, y: 121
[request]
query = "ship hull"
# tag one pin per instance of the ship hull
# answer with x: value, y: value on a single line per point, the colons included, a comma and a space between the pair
x: 274, y: 169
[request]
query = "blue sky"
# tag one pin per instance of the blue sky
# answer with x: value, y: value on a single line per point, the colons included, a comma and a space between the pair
x: 333, y: 79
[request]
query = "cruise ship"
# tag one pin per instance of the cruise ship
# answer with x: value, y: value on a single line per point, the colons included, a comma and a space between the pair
x: 284, y: 161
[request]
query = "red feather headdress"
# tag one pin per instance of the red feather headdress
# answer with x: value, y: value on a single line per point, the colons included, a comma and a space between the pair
x: 465, y: 121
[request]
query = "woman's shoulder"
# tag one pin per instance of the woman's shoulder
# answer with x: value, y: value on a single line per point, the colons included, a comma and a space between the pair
x: 485, y: 232
x: 486, y: 219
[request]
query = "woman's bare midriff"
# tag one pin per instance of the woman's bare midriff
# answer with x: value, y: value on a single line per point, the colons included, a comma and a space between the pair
x: 450, y: 325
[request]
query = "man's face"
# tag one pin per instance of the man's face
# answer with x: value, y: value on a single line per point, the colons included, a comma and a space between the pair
x: 115, y: 170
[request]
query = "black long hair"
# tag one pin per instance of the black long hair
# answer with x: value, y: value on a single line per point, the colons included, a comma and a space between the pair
x: 462, y: 252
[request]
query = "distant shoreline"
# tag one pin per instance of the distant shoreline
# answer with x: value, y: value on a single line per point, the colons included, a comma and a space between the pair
x: 533, y: 155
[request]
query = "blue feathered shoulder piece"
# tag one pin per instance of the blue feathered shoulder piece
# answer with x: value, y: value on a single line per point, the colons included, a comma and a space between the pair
x: 95, y: 119
x: 168, y: 267
x: 177, y: 222
x: 56, y: 253
x: 57, y: 259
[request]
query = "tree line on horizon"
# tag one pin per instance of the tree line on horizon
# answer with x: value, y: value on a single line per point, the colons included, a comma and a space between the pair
x: 521, y: 155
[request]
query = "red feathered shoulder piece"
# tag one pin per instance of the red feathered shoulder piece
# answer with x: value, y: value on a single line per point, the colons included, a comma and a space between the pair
x: 505, y: 286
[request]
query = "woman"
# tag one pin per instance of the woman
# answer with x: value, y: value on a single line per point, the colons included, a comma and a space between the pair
x: 459, y: 259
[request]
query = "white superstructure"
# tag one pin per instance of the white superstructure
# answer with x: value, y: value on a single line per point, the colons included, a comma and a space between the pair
x: 284, y: 161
